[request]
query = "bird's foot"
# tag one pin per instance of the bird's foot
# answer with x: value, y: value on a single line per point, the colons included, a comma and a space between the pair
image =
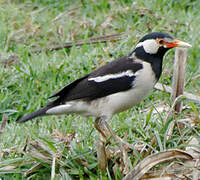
x: 101, y: 153
x: 102, y: 126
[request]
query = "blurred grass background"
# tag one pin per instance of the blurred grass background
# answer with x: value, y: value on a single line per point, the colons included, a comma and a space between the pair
x: 26, y: 80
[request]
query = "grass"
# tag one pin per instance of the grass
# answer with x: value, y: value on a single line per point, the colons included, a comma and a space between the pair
x: 29, y: 79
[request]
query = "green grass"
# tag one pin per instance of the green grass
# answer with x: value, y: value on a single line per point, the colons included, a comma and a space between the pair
x: 26, y: 83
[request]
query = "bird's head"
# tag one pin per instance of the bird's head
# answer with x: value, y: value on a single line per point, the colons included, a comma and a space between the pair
x: 157, y: 44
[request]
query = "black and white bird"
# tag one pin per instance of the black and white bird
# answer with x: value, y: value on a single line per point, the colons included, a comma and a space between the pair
x: 116, y: 86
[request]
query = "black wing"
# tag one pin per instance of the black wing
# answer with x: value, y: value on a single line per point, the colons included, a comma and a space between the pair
x: 85, y: 88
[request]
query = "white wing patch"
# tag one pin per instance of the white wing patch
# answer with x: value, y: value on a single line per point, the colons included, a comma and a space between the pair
x: 128, y: 73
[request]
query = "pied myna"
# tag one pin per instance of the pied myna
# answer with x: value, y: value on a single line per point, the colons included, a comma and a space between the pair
x: 114, y: 87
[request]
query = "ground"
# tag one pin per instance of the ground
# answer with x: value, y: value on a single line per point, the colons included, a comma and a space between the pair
x: 27, y: 79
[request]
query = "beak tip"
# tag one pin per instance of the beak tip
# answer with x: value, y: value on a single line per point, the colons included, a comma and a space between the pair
x: 188, y: 45
x: 184, y: 44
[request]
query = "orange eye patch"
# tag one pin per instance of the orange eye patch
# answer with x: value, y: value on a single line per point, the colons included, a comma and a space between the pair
x: 160, y: 41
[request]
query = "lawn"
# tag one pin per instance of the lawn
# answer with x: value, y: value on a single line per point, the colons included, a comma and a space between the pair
x: 27, y: 79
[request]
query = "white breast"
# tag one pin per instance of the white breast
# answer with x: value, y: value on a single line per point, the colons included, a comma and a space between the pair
x: 143, y: 85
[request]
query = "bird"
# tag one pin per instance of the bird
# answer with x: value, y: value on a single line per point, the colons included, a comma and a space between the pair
x: 115, y: 86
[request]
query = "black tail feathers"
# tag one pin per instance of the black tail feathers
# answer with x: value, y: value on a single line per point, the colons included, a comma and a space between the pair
x: 40, y: 112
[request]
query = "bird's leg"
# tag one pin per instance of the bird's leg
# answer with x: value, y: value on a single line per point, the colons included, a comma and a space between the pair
x: 99, y: 126
x: 121, y: 145
x: 102, y: 126
x: 101, y: 152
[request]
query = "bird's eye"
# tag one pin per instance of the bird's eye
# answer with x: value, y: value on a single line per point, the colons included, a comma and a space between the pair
x: 161, y: 41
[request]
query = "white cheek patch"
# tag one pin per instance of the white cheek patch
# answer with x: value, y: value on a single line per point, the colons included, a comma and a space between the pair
x: 150, y: 46
x: 128, y: 73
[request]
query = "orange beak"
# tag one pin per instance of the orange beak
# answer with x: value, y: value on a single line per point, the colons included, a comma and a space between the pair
x: 177, y: 43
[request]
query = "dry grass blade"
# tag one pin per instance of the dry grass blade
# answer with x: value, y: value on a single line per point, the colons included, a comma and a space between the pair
x: 32, y: 169
x: 175, y: 173
x: 154, y: 160
x: 171, y: 110
x: 193, y: 147
x: 101, y: 39
x: 26, y: 144
x: 40, y: 151
x: 6, y: 168
x: 195, y: 77
x: 168, y: 89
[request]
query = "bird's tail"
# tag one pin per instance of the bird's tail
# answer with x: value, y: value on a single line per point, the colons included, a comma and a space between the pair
x: 40, y: 112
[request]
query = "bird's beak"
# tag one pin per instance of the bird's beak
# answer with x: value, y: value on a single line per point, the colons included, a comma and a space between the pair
x: 177, y: 43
